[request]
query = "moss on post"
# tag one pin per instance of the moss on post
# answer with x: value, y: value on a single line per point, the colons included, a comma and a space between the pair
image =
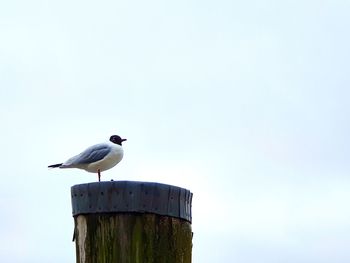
x: 132, y: 238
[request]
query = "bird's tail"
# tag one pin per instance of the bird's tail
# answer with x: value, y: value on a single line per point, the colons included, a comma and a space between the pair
x: 55, y: 165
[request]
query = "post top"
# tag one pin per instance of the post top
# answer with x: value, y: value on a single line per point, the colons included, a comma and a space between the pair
x: 132, y: 196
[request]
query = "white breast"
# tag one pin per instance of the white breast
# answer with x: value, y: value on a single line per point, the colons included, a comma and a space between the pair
x: 111, y: 160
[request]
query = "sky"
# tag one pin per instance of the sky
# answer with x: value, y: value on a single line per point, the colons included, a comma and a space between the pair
x: 245, y: 103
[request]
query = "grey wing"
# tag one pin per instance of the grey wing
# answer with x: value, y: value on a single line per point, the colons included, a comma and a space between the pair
x: 90, y: 155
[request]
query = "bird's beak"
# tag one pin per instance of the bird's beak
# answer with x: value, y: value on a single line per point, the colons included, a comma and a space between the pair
x: 123, y: 140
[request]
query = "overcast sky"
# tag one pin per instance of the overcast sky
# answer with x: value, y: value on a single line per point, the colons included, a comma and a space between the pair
x: 245, y: 103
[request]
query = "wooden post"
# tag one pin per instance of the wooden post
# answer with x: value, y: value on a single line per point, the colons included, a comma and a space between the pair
x: 132, y: 222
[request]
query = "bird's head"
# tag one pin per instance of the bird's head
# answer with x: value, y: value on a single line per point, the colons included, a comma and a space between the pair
x: 117, y: 139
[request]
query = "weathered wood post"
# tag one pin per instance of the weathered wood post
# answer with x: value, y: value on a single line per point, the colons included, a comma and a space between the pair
x: 132, y: 222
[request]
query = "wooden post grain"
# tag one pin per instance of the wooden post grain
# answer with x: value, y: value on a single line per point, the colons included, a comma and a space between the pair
x: 132, y: 222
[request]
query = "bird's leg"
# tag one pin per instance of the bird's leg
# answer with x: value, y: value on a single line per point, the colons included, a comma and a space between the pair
x: 99, y: 175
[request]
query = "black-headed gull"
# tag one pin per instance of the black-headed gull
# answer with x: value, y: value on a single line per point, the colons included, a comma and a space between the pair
x: 97, y: 158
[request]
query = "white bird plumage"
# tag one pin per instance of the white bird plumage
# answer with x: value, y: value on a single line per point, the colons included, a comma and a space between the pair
x: 97, y: 158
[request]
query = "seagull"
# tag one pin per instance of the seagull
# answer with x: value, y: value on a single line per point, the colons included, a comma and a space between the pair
x: 96, y: 158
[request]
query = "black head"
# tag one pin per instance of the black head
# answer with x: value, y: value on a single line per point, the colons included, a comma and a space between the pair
x: 116, y: 139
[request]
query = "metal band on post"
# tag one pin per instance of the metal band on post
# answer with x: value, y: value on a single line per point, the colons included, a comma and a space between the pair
x: 133, y: 197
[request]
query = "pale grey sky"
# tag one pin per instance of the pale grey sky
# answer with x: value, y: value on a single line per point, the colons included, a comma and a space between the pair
x: 245, y: 103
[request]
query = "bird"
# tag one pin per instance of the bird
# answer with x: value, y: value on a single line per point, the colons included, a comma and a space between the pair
x: 97, y: 158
